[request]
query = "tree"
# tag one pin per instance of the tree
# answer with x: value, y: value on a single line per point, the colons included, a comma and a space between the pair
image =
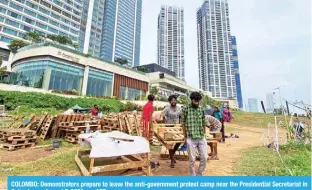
x: 61, y: 39
x: 206, y: 100
x: 154, y: 91
x: 34, y: 37
x: 52, y: 37
x: 184, y: 100
x: 17, y: 44
x: 2, y: 70
x: 142, y: 69
x: 121, y: 61
x: 75, y: 45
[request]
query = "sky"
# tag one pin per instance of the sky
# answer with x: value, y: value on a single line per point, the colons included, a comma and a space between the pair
x: 273, y: 41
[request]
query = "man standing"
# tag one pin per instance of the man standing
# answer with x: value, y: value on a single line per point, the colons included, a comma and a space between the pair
x: 148, y: 110
x: 194, y: 128
x: 172, y: 115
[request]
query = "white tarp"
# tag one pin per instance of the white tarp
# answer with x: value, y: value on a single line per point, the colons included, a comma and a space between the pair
x: 69, y: 111
x: 105, y: 145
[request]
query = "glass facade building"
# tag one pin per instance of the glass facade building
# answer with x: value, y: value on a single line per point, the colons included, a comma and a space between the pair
x: 18, y: 17
x: 48, y: 74
x: 237, y: 75
x: 216, y: 71
x: 58, y: 75
x: 170, y: 45
x: 99, y: 83
x: 121, y: 31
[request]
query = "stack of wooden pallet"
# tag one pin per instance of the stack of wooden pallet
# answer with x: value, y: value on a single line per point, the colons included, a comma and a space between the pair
x: 65, y: 120
x: 13, y: 139
x: 72, y: 130
x: 109, y: 124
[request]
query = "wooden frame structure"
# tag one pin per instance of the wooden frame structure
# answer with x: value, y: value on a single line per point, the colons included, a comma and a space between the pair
x: 160, y: 131
x: 130, y: 162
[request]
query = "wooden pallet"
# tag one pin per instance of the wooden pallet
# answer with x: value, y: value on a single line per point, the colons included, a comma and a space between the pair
x: 16, y: 137
x: 80, y: 128
x: 45, y: 129
x: 16, y: 132
x: 21, y: 141
x: 71, y: 139
x: 133, y: 125
x: 109, y: 124
x: 12, y: 147
x: 65, y: 120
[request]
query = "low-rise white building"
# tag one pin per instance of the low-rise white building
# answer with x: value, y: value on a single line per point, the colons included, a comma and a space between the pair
x: 168, y: 85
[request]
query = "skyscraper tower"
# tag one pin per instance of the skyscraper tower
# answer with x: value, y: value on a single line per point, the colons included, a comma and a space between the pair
x: 170, y: 45
x: 17, y: 18
x: 216, y: 71
x: 236, y: 72
x: 91, y: 27
x: 121, y: 31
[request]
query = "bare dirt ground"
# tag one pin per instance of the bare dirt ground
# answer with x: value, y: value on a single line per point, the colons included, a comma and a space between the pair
x: 228, y: 153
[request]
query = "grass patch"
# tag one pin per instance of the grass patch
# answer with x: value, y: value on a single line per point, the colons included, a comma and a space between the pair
x: 59, y: 164
x: 64, y: 143
x: 261, y: 161
x: 27, y: 111
x: 259, y: 119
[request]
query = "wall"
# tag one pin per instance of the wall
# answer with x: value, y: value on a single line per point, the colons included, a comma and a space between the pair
x: 120, y: 80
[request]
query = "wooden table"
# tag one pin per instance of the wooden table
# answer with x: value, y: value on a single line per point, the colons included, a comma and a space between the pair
x: 129, y: 162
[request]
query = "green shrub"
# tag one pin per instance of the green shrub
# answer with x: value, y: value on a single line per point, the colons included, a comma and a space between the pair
x: 129, y: 106
x: 12, y: 99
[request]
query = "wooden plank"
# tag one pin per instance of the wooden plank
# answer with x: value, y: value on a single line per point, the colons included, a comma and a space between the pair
x: 116, y: 167
x: 91, y: 165
x: 133, y: 158
x: 148, y: 164
x: 81, y: 166
x: 83, y: 153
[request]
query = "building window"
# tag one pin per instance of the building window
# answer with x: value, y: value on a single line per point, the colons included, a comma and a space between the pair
x: 12, y: 23
x: 17, y: 7
x: 99, y: 83
x: 10, y: 31
x: 61, y: 77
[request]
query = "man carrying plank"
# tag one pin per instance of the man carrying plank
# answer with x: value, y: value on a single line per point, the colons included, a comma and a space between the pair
x: 194, y: 129
x: 172, y: 115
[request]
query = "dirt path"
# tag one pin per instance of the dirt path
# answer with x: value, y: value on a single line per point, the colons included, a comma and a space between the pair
x: 228, y: 152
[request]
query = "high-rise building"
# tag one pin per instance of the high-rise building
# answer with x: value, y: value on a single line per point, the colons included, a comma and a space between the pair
x: 239, y: 96
x: 269, y: 103
x: 121, y: 31
x: 170, y: 45
x: 91, y: 27
x: 42, y: 16
x: 216, y: 71
x: 253, y: 105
